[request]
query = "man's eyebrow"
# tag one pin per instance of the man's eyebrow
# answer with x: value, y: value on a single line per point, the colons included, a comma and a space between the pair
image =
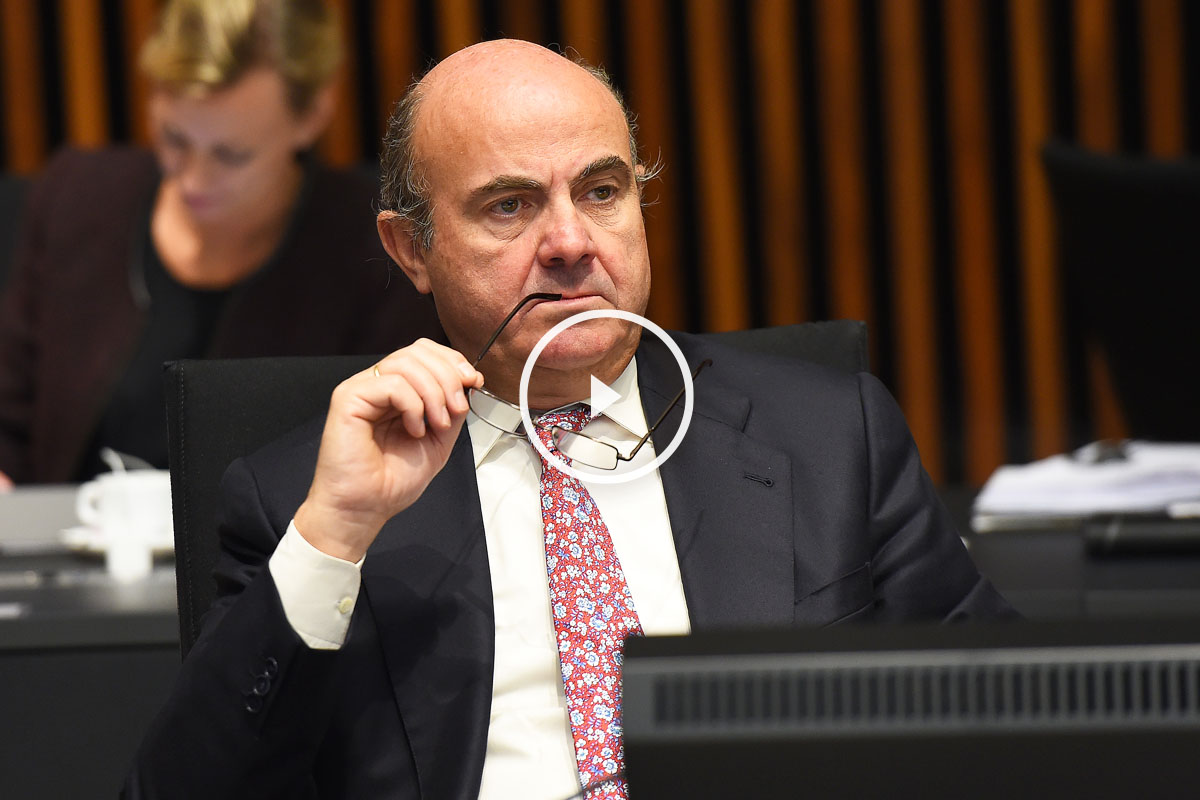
x: 504, y: 183
x: 613, y: 162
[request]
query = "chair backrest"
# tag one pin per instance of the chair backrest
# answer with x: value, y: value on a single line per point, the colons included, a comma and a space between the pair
x: 219, y: 410
x: 1130, y: 250
x: 12, y: 200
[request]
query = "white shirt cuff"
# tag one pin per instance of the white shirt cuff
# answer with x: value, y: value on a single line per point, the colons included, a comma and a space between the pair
x: 317, y: 590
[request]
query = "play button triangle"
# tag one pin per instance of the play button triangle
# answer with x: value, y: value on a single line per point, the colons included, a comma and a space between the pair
x: 602, y: 397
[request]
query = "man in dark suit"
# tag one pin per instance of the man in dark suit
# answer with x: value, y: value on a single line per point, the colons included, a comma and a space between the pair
x: 385, y: 625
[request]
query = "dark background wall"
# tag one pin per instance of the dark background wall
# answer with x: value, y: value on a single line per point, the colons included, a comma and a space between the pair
x: 873, y: 159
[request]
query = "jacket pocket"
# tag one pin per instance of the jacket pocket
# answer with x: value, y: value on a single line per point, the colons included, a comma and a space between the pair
x: 841, y: 600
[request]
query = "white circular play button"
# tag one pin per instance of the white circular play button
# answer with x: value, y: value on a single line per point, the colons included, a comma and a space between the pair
x: 602, y: 396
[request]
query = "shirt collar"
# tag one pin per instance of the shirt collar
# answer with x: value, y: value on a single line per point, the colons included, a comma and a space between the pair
x: 625, y: 411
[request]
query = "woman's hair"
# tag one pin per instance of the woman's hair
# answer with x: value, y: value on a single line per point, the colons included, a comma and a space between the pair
x: 205, y: 45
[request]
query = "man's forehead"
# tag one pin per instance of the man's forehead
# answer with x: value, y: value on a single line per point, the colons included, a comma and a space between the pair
x: 491, y: 89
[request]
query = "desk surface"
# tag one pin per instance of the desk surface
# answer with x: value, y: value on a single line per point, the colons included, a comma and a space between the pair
x: 85, y: 661
x: 52, y: 597
x: 1050, y: 574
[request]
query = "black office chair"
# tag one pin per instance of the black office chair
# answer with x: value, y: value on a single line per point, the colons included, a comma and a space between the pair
x: 1129, y: 246
x: 12, y: 200
x: 219, y: 410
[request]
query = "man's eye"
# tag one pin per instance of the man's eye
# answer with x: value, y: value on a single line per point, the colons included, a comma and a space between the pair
x: 509, y: 205
x: 603, y: 192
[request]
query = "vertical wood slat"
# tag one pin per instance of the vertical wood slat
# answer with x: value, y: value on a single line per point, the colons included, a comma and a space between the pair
x: 972, y: 221
x: 1040, y: 285
x: 523, y: 19
x: 583, y: 28
x: 1095, y: 74
x: 1096, y: 108
x: 83, y: 72
x: 781, y: 143
x: 721, y: 225
x: 140, y: 18
x: 24, y: 112
x: 909, y: 206
x: 341, y: 143
x: 395, y: 53
x: 839, y: 81
x: 1162, y: 76
x: 650, y: 97
x: 459, y: 24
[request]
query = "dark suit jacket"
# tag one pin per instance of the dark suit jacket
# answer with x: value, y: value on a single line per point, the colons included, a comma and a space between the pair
x: 75, y: 307
x: 796, y: 498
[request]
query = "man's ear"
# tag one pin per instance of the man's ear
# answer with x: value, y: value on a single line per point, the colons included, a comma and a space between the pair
x: 400, y: 242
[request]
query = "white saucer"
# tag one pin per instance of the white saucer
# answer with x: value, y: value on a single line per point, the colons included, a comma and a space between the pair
x: 93, y: 541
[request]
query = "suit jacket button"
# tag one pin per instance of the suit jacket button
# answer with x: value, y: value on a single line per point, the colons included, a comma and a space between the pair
x: 270, y: 667
x: 261, y: 686
x: 254, y: 704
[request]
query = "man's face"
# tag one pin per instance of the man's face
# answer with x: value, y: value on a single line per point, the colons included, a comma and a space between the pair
x: 533, y: 190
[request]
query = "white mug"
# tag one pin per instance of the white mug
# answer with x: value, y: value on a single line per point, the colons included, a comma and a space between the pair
x: 133, y: 512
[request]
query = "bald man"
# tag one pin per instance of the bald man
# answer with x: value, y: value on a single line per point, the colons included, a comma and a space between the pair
x: 391, y: 619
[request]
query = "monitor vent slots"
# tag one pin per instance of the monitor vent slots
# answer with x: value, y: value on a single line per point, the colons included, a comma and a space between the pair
x: 933, y: 691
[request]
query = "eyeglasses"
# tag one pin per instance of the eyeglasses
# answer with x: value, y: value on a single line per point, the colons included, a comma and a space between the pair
x: 581, y: 448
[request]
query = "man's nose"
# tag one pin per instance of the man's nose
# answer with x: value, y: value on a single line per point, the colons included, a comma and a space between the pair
x: 566, y: 238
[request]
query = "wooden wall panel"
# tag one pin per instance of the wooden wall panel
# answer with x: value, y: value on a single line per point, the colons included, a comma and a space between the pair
x: 1044, y: 341
x: 910, y: 209
x: 1162, y: 75
x: 341, y: 143
x: 523, y: 19
x: 908, y: 197
x: 396, y: 61
x: 1098, y: 129
x: 140, y: 18
x: 84, y: 72
x: 649, y: 91
x: 781, y: 144
x: 1095, y: 74
x: 721, y: 226
x: 584, y: 28
x: 459, y: 23
x: 839, y: 79
x: 973, y: 236
x: 25, y: 142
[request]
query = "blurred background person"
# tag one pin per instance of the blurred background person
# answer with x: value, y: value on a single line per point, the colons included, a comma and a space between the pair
x: 230, y: 240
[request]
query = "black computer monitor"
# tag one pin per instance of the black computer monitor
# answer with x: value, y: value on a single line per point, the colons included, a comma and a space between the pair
x: 1062, y: 710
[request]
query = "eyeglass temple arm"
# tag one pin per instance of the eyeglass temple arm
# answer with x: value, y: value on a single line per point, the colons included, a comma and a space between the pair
x: 695, y: 374
x: 508, y: 319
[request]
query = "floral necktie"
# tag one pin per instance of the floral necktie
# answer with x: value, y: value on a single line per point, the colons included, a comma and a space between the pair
x: 593, y: 613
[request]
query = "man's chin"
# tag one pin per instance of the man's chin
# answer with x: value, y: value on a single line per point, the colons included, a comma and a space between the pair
x: 588, y: 344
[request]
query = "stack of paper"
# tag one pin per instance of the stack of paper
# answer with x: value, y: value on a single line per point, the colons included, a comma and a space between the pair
x: 1145, y: 478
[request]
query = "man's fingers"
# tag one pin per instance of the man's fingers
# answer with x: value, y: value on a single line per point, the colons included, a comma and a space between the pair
x: 438, y: 374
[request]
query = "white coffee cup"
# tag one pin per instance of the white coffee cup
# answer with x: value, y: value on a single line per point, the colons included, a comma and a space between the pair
x: 133, y: 512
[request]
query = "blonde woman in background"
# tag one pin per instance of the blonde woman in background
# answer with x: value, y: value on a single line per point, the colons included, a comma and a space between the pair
x: 230, y: 240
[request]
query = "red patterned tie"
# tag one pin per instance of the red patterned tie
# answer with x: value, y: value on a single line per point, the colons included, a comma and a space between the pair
x: 593, y: 613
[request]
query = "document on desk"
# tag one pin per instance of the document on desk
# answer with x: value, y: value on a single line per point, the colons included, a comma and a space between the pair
x: 1146, y: 477
x: 32, y: 518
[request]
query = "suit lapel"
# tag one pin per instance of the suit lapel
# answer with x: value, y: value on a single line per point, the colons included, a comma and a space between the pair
x: 729, y: 498
x: 428, y: 583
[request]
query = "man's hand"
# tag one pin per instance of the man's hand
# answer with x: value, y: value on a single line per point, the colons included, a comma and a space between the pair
x: 390, y: 429
x: 6, y: 484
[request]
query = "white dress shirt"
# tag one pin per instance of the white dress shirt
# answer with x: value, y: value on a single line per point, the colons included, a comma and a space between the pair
x: 529, y: 749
